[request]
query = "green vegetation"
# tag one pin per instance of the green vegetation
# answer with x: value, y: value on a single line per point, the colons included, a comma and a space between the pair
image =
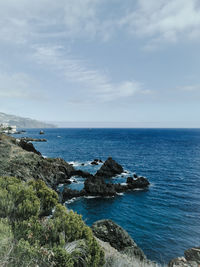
x: 32, y: 235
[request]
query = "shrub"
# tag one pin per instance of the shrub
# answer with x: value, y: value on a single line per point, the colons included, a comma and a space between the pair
x: 33, y: 238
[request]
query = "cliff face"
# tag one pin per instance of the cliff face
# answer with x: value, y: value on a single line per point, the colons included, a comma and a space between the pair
x: 21, y: 122
x: 18, y: 162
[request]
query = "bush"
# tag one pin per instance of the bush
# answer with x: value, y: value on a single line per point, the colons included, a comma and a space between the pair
x: 38, y: 239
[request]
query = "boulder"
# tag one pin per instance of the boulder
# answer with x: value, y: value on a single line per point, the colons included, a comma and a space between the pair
x: 109, y: 169
x: 110, y: 232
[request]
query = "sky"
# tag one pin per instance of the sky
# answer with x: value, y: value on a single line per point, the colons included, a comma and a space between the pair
x: 101, y: 63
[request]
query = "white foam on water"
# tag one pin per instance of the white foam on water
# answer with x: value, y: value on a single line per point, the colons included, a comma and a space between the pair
x: 91, y: 197
x: 74, y: 163
x: 77, y: 163
x: 124, y: 174
x: 71, y: 200
x: 123, y: 183
x: 120, y: 194
x: 139, y: 189
x: 73, y: 179
x: 45, y: 157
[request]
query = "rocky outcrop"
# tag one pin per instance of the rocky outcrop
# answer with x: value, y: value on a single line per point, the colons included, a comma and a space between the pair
x: 16, y: 160
x: 96, y: 162
x: 28, y: 147
x: 118, y: 238
x: 115, y: 258
x: 29, y: 139
x: 193, y: 254
x: 139, y: 182
x: 81, y: 173
x: 191, y: 259
x: 96, y: 186
x: 109, y: 169
x: 68, y: 193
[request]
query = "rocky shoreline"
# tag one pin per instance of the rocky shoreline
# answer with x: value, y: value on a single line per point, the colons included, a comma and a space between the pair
x: 19, y: 158
x: 24, y: 161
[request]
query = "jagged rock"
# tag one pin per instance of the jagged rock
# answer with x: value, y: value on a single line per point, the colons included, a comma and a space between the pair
x: 140, y: 182
x: 94, y: 163
x: 193, y: 254
x: 109, y: 169
x: 70, y: 193
x: 97, y: 187
x: 108, y: 231
x: 129, y: 180
x: 28, y: 147
x: 135, y: 175
x: 81, y: 173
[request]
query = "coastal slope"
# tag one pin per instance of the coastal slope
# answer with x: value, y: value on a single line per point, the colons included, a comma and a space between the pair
x: 22, y: 122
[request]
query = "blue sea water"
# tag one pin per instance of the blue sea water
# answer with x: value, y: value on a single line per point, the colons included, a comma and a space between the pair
x: 163, y: 220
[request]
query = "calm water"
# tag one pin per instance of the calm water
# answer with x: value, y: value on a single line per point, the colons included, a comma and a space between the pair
x: 164, y: 220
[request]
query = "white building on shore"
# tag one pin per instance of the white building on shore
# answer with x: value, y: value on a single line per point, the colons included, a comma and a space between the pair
x: 6, y: 128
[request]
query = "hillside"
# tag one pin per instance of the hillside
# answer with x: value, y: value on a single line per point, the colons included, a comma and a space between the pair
x: 21, y: 122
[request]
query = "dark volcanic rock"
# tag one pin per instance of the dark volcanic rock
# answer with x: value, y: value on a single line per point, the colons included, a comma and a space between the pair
x: 94, y: 163
x: 109, y: 169
x: 28, y: 146
x: 108, y: 231
x: 70, y: 193
x: 96, y: 186
x: 140, y: 182
x: 81, y: 173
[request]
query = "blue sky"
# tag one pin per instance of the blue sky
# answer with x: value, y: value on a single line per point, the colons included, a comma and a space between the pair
x: 106, y: 63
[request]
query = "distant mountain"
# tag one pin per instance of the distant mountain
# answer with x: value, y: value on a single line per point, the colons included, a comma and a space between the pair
x: 21, y: 122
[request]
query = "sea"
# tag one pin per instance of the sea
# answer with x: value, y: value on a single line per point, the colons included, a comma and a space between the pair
x: 163, y: 220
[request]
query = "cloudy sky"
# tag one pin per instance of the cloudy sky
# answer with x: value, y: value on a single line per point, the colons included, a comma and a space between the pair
x: 131, y: 63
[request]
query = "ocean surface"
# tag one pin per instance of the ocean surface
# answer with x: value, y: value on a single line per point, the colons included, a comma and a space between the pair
x: 163, y: 220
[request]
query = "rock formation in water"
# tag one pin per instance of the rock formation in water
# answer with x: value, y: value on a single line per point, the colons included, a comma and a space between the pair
x: 109, y: 169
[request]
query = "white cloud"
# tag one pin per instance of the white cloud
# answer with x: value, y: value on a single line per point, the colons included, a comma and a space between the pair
x: 164, y: 21
x: 18, y: 85
x: 32, y: 21
x: 190, y: 88
x: 39, y: 21
x: 94, y: 82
